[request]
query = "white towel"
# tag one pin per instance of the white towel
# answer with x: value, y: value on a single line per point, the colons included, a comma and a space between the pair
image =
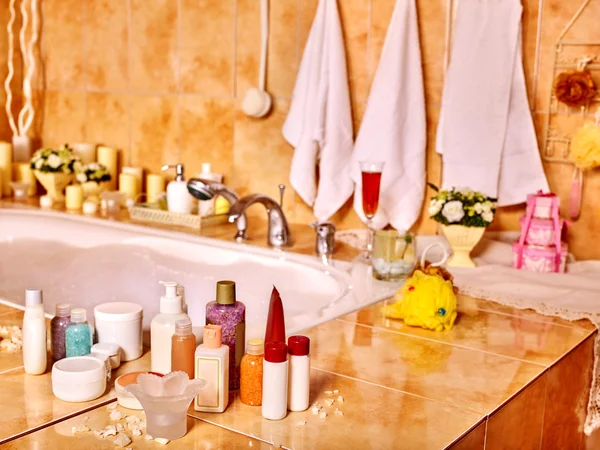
x: 319, y: 123
x: 393, y: 129
x: 486, y: 133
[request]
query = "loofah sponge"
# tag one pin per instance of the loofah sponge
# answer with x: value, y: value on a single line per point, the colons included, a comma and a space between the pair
x: 585, y: 147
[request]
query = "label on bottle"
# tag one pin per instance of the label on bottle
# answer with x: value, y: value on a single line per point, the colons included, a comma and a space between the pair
x: 209, y: 369
x: 240, y: 343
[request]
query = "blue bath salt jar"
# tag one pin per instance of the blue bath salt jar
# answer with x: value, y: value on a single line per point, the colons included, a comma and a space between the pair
x: 78, y: 334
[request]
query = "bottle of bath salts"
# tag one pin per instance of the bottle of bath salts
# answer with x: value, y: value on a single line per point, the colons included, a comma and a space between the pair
x: 251, y: 373
x: 78, y: 334
x: 162, y: 328
x: 231, y: 316
x: 212, y: 365
x: 183, y: 347
x: 34, y: 333
x: 299, y: 373
x: 275, y: 381
x: 58, y: 329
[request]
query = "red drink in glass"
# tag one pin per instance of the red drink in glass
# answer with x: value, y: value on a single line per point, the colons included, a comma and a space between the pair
x: 371, y: 181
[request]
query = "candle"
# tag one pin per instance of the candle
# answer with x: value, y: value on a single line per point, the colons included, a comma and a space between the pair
x: 139, y: 174
x: 6, y: 166
x: 23, y: 172
x: 90, y: 207
x: 108, y: 157
x: 46, y: 201
x: 85, y: 151
x: 74, y: 196
x: 128, y: 185
x: 155, y: 185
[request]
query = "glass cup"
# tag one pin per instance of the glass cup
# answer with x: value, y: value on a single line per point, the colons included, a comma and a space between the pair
x: 393, y: 256
x: 371, y: 184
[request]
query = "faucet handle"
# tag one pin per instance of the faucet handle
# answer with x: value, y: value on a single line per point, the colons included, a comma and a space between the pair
x: 325, y: 243
x: 281, y: 191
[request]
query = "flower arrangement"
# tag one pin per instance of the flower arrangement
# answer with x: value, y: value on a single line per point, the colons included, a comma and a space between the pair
x: 462, y: 206
x: 92, y: 172
x: 61, y: 160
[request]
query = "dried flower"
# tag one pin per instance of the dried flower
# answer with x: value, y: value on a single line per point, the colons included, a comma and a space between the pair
x: 575, y: 88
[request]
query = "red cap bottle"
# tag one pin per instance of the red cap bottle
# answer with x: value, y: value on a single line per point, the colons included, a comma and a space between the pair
x: 276, y: 352
x: 298, y: 345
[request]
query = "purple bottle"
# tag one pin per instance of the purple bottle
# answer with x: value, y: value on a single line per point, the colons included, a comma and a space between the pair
x: 231, y: 316
x: 58, y: 328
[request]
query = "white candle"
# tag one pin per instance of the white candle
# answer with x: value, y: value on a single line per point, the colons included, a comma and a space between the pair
x: 139, y: 174
x: 108, y: 157
x: 46, y: 201
x: 74, y: 196
x: 6, y: 166
x: 155, y: 185
x: 23, y: 172
x: 128, y: 185
x: 90, y: 207
x: 86, y: 151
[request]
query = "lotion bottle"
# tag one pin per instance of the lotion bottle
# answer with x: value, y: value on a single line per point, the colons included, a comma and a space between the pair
x: 275, y: 381
x: 212, y: 365
x: 162, y: 328
x: 179, y: 199
x: 299, y: 373
x: 34, y: 333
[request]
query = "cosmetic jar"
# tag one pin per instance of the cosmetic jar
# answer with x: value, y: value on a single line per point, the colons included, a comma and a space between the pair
x: 111, y: 351
x: 124, y: 397
x: 78, y: 379
x: 120, y: 323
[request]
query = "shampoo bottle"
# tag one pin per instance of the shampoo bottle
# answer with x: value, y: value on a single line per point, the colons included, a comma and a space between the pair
x: 179, y: 199
x: 299, y: 373
x: 34, y: 333
x: 212, y: 365
x: 162, y: 328
x: 183, y: 346
x: 275, y: 381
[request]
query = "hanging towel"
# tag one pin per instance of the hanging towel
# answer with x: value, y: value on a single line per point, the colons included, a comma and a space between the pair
x: 319, y: 123
x: 486, y: 133
x: 393, y: 129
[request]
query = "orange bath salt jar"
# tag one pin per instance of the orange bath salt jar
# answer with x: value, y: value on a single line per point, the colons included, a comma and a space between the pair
x: 251, y: 373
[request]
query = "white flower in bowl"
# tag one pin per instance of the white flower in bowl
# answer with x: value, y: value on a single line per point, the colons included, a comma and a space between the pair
x: 453, y: 211
x: 488, y: 216
x: 54, y: 161
x: 81, y: 177
x: 435, y: 207
x: 39, y: 163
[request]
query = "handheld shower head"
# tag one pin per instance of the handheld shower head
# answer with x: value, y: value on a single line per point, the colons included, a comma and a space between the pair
x: 200, y: 190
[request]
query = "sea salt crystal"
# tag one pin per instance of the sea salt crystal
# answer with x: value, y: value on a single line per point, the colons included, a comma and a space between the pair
x: 328, y: 392
x: 161, y: 441
x: 111, y: 432
x: 98, y: 434
x: 116, y: 415
x: 80, y: 429
x: 336, y: 391
x: 322, y: 414
x: 340, y: 399
x: 148, y: 437
x: 143, y: 425
x: 329, y: 402
x: 120, y: 427
x: 122, y: 440
x: 301, y: 423
x: 315, y: 410
x: 338, y: 412
x: 136, y: 432
x: 132, y: 419
x: 112, y: 406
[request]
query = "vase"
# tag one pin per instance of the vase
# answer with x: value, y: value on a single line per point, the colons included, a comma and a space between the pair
x: 93, y: 189
x: 462, y: 240
x: 54, y: 183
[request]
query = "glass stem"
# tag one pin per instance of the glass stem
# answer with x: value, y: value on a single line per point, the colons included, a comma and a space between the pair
x: 369, y: 235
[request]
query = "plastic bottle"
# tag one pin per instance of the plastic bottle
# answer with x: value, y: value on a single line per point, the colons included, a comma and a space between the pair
x: 78, y: 334
x: 183, y: 346
x: 58, y: 328
x: 179, y: 199
x: 299, y: 373
x: 162, y: 328
x: 34, y: 333
x: 207, y: 207
x: 231, y: 316
x: 275, y: 331
x: 251, y: 373
x: 275, y: 376
x: 212, y: 365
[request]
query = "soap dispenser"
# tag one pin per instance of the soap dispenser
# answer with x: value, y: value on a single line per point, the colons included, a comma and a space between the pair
x: 162, y: 328
x: 178, y: 198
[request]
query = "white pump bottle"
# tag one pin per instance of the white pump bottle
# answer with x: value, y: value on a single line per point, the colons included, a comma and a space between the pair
x: 162, y: 328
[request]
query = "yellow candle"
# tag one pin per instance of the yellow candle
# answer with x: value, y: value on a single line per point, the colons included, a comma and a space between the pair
x: 138, y: 172
x: 6, y: 166
x: 155, y: 185
x: 108, y: 157
x: 22, y: 172
x: 74, y: 196
x: 128, y: 185
x: 0, y: 184
x: 86, y: 152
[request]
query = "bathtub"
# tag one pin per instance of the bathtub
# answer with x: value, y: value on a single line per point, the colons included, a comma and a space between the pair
x: 87, y: 261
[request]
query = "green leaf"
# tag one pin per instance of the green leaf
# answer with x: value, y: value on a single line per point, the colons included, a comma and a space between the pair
x: 433, y: 186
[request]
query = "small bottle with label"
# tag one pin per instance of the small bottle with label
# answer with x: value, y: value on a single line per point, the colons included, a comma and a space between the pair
x: 183, y: 346
x: 78, y: 334
x: 212, y: 366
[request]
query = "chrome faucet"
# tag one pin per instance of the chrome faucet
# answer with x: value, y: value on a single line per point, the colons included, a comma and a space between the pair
x: 206, y: 189
x: 325, y: 243
x: 279, y: 231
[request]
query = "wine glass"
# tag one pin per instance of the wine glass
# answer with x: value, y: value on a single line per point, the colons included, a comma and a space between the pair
x: 371, y: 182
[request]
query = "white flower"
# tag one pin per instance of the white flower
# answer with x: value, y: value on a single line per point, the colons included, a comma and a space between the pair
x: 81, y: 177
x: 54, y: 161
x: 487, y: 208
x: 453, y: 211
x: 435, y: 207
x: 488, y: 216
x: 77, y: 166
x: 93, y: 166
x: 464, y: 190
x: 39, y: 163
x: 478, y: 207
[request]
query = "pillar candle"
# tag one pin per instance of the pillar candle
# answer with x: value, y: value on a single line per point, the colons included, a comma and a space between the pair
x: 108, y: 157
x: 86, y: 151
x: 6, y: 166
x: 155, y: 185
x: 74, y: 196
x: 22, y: 172
x: 128, y: 186
x: 139, y: 174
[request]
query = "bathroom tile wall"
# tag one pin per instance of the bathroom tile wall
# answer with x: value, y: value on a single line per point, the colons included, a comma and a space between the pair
x: 163, y: 81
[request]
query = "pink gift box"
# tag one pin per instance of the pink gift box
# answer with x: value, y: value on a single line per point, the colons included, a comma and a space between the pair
x: 539, y: 258
x: 541, y: 231
x: 543, y: 204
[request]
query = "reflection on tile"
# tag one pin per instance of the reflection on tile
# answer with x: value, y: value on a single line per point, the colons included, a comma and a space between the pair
x: 393, y: 417
x: 474, y: 440
x: 518, y: 424
x: 64, y: 117
x: 106, y: 28
x: 207, y: 46
x: 207, y: 134
x: 427, y: 368
x: 107, y: 121
x: 567, y: 395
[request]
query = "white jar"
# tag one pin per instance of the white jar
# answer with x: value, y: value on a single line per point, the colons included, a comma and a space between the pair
x: 112, y: 352
x: 78, y: 379
x: 120, y: 323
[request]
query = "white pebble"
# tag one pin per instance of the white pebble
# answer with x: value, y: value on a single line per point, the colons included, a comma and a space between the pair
x: 322, y: 414
x: 142, y: 425
x: 340, y: 399
x: 329, y: 402
x: 112, y: 406
x: 120, y: 427
x: 136, y: 432
x: 162, y: 441
x: 336, y: 391
x: 98, y: 433
x: 110, y: 433
x: 148, y: 437
x: 315, y: 410
x: 132, y: 419
x: 80, y: 429
x: 301, y: 423
x: 116, y: 415
x: 122, y: 440
x: 328, y: 392
x: 338, y: 412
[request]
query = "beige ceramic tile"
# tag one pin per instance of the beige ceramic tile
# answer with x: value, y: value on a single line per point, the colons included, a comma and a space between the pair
x: 207, y: 126
x: 530, y: 24
x: 207, y: 46
x: 306, y: 14
x: 381, y: 14
x: 154, y: 132
x: 282, y: 58
x: 354, y: 15
x: 393, y: 417
x: 107, y: 121
x: 63, y: 44
x: 248, y: 46
x: 426, y: 368
x: 153, y: 51
x: 432, y: 37
x: 64, y: 117
x: 200, y: 435
x: 511, y: 336
x: 105, y: 44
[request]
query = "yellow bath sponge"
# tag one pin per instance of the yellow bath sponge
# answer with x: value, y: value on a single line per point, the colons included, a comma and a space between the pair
x: 585, y: 147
